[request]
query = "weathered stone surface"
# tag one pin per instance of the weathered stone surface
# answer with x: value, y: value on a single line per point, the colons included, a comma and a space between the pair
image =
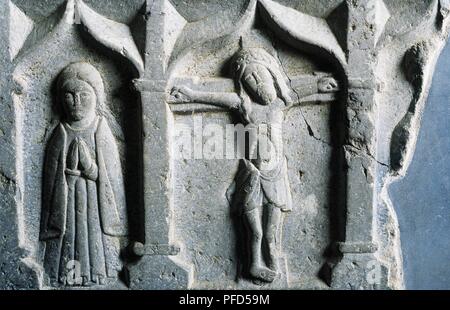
x: 422, y: 213
x: 209, y: 145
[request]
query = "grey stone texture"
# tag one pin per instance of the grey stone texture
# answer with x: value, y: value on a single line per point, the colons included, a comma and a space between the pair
x: 95, y: 191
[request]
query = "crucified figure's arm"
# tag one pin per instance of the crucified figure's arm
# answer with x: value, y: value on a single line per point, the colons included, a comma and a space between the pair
x: 184, y: 94
x: 313, y: 89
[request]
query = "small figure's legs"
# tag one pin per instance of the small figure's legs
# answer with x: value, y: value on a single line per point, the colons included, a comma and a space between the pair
x: 257, y: 269
x: 274, y: 216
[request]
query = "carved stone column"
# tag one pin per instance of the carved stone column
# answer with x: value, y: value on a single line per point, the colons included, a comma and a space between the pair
x: 15, y: 270
x: 365, y: 25
x: 158, y: 267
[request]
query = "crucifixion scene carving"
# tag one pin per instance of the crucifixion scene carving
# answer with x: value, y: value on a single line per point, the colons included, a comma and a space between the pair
x: 241, y: 144
x: 261, y: 188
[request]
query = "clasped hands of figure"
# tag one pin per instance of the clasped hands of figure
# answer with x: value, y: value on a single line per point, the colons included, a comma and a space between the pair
x: 80, y: 161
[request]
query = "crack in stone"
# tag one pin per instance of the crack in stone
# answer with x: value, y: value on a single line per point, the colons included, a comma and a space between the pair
x: 379, y: 162
x: 10, y: 184
x: 308, y: 126
x: 352, y: 148
x: 6, y: 180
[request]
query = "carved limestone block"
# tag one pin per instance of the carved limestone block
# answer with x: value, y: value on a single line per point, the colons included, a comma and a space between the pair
x: 209, y: 145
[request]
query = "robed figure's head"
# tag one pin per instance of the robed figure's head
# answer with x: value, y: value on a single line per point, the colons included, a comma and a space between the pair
x: 80, y: 91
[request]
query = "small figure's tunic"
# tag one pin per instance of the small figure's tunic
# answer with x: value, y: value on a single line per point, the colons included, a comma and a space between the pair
x: 262, y: 178
x: 253, y: 188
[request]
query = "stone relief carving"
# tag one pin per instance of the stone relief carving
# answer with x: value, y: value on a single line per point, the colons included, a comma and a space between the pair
x: 367, y: 45
x: 261, y: 188
x: 83, y: 223
x: 84, y: 205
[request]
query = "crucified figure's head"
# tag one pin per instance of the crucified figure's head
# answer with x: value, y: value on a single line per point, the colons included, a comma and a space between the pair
x: 258, y: 74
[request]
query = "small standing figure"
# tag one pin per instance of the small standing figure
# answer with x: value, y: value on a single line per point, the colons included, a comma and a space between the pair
x: 84, y: 209
x: 261, y: 188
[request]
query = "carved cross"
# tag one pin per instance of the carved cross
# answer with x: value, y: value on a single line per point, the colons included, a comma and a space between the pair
x: 300, y: 84
x: 262, y: 98
x: 157, y: 267
x: 366, y: 21
x: 158, y: 247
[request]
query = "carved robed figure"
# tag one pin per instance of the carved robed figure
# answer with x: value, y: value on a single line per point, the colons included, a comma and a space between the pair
x: 84, y: 209
x: 261, y: 188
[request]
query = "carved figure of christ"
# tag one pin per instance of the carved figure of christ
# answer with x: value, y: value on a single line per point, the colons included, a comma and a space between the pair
x: 261, y: 188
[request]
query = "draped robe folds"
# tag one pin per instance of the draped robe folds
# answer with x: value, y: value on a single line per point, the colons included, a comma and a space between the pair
x: 255, y: 187
x: 82, y: 215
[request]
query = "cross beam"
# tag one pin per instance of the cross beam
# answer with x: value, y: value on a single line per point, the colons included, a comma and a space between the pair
x: 228, y: 86
x: 366, y: 21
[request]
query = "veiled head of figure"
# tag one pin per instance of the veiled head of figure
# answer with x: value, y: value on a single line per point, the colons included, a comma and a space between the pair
x: 79, y: 99
x: 80, y: 89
